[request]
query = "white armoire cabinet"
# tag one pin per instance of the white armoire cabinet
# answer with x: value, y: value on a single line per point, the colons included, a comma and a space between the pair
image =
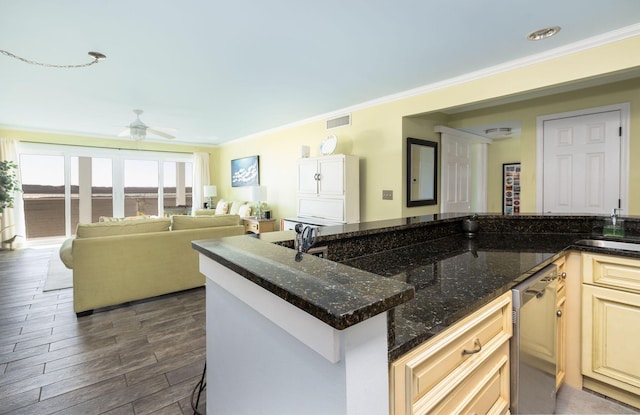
x: 329, y: 188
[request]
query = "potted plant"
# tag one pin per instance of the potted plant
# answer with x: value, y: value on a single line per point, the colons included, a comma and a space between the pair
x: 9, y: 185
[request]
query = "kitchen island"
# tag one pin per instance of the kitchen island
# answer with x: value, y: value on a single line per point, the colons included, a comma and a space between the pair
x: 291, y: 333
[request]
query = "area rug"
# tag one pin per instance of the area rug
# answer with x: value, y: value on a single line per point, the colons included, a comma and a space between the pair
x: 58, y: 276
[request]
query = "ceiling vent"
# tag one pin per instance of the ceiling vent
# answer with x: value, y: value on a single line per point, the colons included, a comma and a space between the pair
x: 340, y: 121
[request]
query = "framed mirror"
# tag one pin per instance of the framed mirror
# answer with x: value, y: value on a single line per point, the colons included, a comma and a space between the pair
x: 422, y: 172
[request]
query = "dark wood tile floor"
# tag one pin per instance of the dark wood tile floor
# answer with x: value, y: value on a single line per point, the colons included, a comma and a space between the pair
x: 143, y: 358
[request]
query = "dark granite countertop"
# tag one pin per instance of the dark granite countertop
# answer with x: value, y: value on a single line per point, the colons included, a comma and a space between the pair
x: 423, y: 270
x: 336, y: 294
x: 456, y: 275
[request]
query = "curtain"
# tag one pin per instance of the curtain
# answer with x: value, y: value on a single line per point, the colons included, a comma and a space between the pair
x: 200, y: 179
x: 12, y: 222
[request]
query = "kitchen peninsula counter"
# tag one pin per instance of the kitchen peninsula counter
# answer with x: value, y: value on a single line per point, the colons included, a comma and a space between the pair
x: 449, y: 277
x: 389, y: 285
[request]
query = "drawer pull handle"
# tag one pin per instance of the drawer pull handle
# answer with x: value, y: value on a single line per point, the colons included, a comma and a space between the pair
x: 476, y: 344
x: 564, y: 275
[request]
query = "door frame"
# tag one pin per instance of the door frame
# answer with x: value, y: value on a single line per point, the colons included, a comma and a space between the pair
x: 625, y: 110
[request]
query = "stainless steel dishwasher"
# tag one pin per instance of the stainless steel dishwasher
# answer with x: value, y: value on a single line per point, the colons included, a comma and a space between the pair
x: 533, y: 346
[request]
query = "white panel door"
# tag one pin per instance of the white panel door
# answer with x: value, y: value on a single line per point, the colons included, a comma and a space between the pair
x: 456, y: 170
x: 581, y: 172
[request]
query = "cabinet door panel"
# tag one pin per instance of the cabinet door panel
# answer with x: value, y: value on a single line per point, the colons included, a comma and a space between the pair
x: 307, y: 171
x: 611, y: 323
x: 331, y: 181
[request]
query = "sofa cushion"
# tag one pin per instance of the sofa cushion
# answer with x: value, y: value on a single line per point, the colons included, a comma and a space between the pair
x: 181, y: 222
x: 205, y: 212
x: 112, y: 219
x: 127, y: 227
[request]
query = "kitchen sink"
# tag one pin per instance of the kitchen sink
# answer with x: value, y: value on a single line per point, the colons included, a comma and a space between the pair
x: 600, y: 243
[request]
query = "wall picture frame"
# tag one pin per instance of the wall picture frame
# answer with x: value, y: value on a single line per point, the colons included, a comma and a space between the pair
x: 245, y: 171
x: 511, y: 188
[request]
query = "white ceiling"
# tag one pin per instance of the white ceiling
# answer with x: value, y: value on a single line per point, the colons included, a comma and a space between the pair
x: 221, y: 70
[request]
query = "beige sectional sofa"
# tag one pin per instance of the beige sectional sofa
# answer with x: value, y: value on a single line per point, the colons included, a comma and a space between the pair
x: 117, y: 262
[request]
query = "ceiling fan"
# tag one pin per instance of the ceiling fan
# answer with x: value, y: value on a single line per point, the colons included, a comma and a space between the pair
x: 138, y: 130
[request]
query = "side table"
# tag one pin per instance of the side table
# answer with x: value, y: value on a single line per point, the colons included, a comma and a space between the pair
x: 254, y: 225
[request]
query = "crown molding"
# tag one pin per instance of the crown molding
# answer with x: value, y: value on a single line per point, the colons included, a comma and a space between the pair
x: 104, y: 136
x: 585, y: 44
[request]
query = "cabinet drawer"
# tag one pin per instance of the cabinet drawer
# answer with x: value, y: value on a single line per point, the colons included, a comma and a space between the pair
x: 251, y: 227
x: 611, y: 271
x: 442, y: 359
x: 485, y: 391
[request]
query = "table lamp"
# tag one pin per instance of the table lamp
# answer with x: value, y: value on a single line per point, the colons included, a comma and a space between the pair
x: 258, y: 194
x: 210, y: 191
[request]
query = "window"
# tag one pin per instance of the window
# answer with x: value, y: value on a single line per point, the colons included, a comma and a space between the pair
x: 65, y: 185
x: 140, y: 187
x: 43, y: 187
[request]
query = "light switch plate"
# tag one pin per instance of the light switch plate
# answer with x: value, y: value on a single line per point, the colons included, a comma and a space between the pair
x: 387, y: 195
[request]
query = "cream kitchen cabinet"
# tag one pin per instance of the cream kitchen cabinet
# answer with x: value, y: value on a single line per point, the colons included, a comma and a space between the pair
x: 464, y: 369
x: 611, y: 326
x: 329, y: 188
x: 561, y: 326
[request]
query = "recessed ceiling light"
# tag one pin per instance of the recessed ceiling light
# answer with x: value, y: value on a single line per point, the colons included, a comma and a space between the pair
x: 543, y: 33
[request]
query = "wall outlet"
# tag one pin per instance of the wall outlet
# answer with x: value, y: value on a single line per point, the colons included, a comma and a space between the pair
x: 387, y: 195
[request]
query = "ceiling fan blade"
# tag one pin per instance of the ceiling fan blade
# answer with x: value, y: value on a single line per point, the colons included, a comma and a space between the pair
x: 124, y: 133
x: 160, y: 133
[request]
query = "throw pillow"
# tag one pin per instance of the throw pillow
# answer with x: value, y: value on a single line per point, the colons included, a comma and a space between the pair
x: 235, y: 207
x: 222, y: 208
x: 244, y: 211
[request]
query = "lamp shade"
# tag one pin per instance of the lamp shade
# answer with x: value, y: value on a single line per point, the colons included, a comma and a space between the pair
x: 210, y: 191
x: 258, y: 193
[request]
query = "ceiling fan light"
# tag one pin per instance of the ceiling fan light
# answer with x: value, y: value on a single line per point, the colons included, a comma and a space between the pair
x: 138, y: 132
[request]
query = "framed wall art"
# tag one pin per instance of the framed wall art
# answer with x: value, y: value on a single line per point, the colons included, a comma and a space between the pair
x: 510, y: 188
x: 245, y: 171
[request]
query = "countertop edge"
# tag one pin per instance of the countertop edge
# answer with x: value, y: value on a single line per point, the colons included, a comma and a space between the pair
x: 398, y: 294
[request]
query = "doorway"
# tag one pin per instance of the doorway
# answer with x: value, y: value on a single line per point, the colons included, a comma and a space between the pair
x: 582, y: 162
x: 463, y: 175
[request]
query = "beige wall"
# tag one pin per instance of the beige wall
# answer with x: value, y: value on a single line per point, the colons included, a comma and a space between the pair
x: 523, y: 149
x: 377, y: 134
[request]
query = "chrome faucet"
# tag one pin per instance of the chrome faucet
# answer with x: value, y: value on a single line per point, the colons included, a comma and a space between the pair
x: 614, y: 215
x: 305, y: 237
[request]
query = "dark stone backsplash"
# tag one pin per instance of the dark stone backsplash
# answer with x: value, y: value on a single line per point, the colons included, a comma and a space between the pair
x: 349, y: 245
